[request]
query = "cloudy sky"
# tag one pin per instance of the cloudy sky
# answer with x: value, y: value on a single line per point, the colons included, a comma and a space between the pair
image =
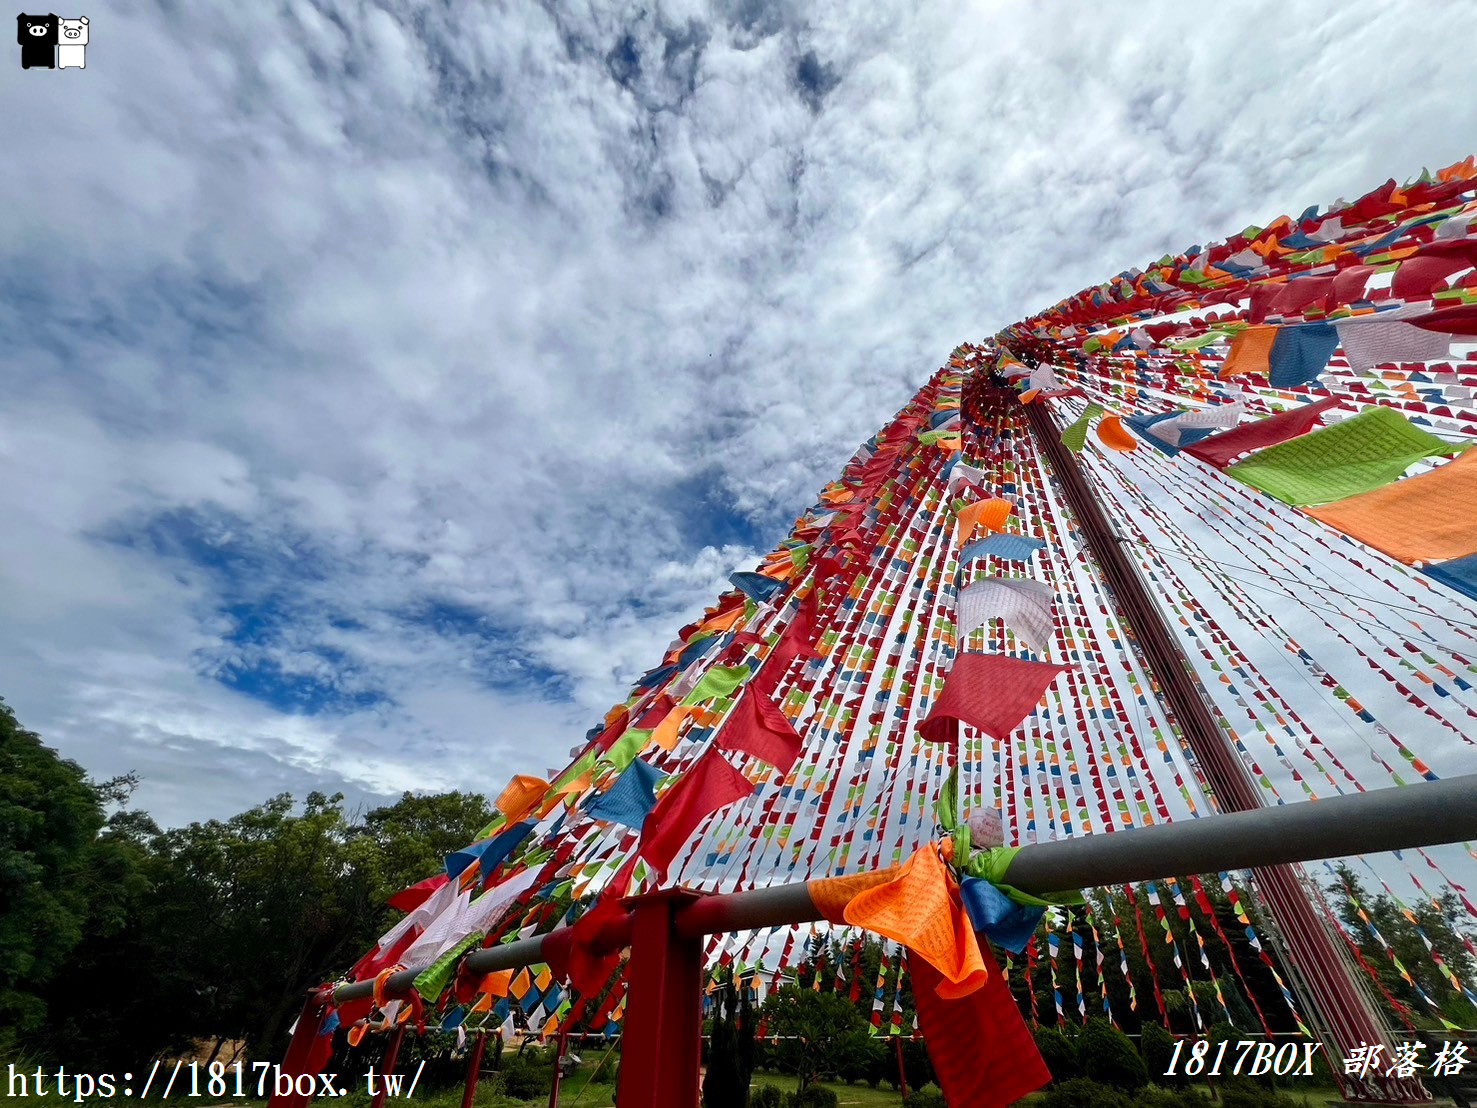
x: 384, y: 385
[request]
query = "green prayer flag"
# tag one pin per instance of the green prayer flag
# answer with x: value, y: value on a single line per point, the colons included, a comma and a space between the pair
x: 1363, y: 453
x: 585, y: 763
x: 432, y: 980
x: 1074, y: 436
x: 623, y: 751
x: 719, y: 681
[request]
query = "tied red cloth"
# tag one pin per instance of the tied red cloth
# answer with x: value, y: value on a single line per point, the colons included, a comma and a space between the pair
x: 710, y: 784
x: 759, y: 728
x: 990, y: 692
x: 1221, y: 450
x: 982, y: 1052
x: 573, y: 957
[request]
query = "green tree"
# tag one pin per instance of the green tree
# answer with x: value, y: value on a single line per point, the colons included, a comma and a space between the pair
x: 56, y: 882
x: 413, y: 836
x: 814, y: 1031
x: 730, y: 1048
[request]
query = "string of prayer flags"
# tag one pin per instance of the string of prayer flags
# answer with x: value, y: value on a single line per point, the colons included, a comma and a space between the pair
x: 1006, y: 545
x: 709, y: 784
x: 1372, y: 449
x: 1024, y: 605
x: 629, y: 798
x: 1221, y: 450
x: 757, y: 727
x: 1428, y: 518
x: 990, y: 692
x: 920, y: 908
x: 1074, y: 435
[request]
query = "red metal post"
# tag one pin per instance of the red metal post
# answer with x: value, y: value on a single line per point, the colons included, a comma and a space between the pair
x: 902, y: 1074
x: 299, y: 1060
x: 661, y: 1049
x: 387, y: 1065
x: 474, y: 1069
x: 558, y: 1069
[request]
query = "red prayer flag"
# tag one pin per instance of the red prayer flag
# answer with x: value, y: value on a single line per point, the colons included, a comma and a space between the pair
x: 407, y: 900
x: 658, y: 710
x: 759, y: 728
x: 990, y: 692
x: 710, y: 784
x: 1458, y: 320
x: 982, y: 1051
x: 1221, y: 450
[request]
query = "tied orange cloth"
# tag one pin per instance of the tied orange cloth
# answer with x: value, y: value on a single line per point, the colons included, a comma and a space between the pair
x: 1429, y: 518
x: 1251, y: 351
x: 831, y: 895
x: 920, y: 908
x: 521, y: 796
x: 990, y: 513
x: 1111, y: 434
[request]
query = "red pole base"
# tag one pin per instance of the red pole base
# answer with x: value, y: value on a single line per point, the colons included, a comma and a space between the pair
x: 387, y: 1065
x: 661, y: 1050
x: 474, y: 1069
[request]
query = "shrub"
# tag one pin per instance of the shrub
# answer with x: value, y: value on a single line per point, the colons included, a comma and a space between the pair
x: 1108, y: 1057
x: 1157, y: 1047
x: 766, y: 1096
x: 1082, y: 1093
x: 527, y: 1076
x: 1157, y: 1096
x: 814, y: 1096
x: 1241, y: 1092
x: 606, y: 1069
x: 930, y: 1096
x: 1058, y: 1054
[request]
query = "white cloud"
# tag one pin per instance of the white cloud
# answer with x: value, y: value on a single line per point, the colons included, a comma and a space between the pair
x: 439, y: 305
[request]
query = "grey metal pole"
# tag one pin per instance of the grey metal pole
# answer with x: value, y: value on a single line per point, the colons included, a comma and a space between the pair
x: 1357, y: 823
x: 1427, y: 814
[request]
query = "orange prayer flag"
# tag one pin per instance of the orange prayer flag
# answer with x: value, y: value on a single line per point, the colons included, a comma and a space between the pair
x: 1250, y: 352
x: 665, y: 733
x: 723, y: 621
x: 990, y: 513
x: 496, y: 983
x: 1110, y: 433
x: 921, y: 909
x: 1428, y: 518
x: 521, y: 796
